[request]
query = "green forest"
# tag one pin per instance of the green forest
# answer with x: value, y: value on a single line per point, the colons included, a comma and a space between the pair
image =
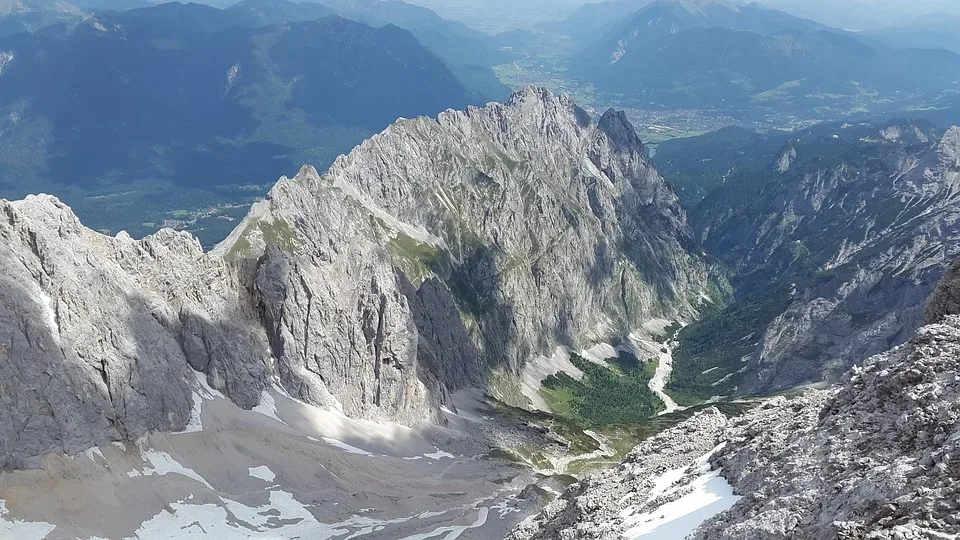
x: 605, y: 395
x: 708, y: 360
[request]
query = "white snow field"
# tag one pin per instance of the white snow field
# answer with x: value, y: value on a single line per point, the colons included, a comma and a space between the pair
x: 704, y: 494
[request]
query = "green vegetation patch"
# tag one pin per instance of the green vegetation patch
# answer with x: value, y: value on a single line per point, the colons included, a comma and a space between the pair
x: 710, y: 356
x: 417, y: 259
x: 604, y: 395
x: 277, y: 233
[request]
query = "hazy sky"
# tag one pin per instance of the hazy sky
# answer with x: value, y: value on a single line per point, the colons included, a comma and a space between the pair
x: 861, y: 14
x: 847, y: 14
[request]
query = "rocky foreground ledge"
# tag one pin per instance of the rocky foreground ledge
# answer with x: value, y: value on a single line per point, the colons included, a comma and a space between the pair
x: 877, y: 458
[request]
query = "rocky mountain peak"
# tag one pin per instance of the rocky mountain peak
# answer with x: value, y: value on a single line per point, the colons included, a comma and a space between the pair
x: 786, y: 159
x: 435, y: 251
x: 615, y: 125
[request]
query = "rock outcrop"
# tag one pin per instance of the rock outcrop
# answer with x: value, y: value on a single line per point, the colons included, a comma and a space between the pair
x: 593, y: 508
x: 878, y: 457
x: 881, y: 459
x: 945, y: 299
x: 434, y: 251
x: 99, y: 333
x: 850, y: 230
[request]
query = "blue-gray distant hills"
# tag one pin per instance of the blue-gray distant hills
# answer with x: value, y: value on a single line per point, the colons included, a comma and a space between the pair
x: 187, y: 94
x: 715, y: 54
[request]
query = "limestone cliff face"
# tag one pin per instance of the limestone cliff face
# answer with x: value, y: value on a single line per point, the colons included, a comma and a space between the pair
x: 861, y: 231
x: 432, y: 252
x: 526, y: 224
x: 98, y: 333
x: 945, y: 299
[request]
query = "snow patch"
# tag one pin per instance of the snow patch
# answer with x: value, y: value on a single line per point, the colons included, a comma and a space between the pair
x: 439, y: 454
x: 446, y: 410
x: 263, y: 473
x: 5, y: 58
x: 195, y: 424
x: 504, y: 509
x: 454, y: 532
x: 15, y: 528
x: 723, y: 380
x: 707, y: 495
x: 162, y: 463
x: 268, y: 406
x: 282, y: 517
x: 49, y: 311
x: 93, y: 453
x: 346, y: 447
x: 232, y: 75
x: 207, y: 391
x: 202, y: 391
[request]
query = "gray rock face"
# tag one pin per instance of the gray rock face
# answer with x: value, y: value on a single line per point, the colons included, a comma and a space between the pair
x: 433, y: 251
x: 881, y: 460
x: 878, y: 457
x: 863, y: 236
x: 522, y: 226
x: 945, y: 299
x: 97, y: 332
x: 592, y: 508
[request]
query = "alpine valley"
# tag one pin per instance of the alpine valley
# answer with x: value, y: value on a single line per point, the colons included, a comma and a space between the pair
x: 466, y: 313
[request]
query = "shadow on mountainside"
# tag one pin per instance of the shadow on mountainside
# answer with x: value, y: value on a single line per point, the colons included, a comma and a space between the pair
x: 49, y: 399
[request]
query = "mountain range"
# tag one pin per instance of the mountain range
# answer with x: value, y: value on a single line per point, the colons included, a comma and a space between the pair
x: 930, y: 32
x: 662, y: 18
x: 463, y: 318
x: 713, y: 54
x: 377, y: 288
x: 17, y: 16
x: 464, y: 49
x: 123, y: 104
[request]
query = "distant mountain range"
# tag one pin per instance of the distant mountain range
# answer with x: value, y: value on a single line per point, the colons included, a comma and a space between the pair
x: 861, y: 15
x: 932, y: 32
x: 17, y: 16
x: 662, y: 19
x: 469, y: 53
x: 712, y: 54
x: 596, y: 18
x: 198, y: 96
